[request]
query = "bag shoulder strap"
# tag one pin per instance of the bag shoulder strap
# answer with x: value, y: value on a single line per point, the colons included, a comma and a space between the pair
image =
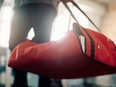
x: 79, y: 10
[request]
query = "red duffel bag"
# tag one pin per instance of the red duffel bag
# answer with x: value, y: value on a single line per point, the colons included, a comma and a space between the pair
x: 66, y: 58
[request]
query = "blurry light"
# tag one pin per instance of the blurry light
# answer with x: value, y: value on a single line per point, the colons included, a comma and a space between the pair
x: 4, y: 34
x: 60, y: 27
x: 64, y: 22
x: 30, y: 34
x: 6, y: 13
x: 80, y: 17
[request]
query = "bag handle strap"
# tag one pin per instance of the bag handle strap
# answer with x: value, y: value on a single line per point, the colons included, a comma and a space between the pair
x: 81, y: 30
x: 76, y: 5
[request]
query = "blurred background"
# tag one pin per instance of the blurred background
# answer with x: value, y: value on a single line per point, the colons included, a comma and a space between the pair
x: 101, y: 12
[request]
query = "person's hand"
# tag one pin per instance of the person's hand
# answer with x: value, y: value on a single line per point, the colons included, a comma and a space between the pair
x: 67, y: 1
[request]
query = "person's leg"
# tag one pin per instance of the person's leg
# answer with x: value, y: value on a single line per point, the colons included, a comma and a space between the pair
x: 20, y: 78
x: 56, y: 83
x: 42, y: 29
x: 43, y: 20
x: 18, y: 33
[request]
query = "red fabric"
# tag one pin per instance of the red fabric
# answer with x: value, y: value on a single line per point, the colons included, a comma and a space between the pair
x: 64, y: 58
x: 105, y: 50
